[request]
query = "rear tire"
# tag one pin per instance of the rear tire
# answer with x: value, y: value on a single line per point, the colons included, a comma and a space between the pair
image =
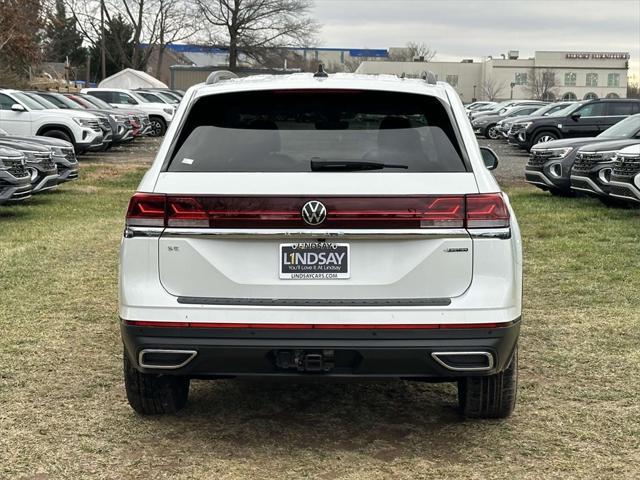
x: 493, y: 396
x: 151, y: 394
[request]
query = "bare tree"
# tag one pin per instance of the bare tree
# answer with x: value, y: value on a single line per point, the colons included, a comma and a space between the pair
x: 253, y: 26
x: 176, y: 22
x: 154, y: 24
x: 491, y: 88
x: 412, y: 51
x: 542, y: 84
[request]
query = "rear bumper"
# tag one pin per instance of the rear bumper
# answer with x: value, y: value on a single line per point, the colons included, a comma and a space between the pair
x: 351, y: 353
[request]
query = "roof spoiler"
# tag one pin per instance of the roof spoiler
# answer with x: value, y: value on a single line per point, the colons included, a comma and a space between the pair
x: 219, y: 75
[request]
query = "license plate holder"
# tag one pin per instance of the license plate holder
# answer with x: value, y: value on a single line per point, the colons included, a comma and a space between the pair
x: 314, y: 261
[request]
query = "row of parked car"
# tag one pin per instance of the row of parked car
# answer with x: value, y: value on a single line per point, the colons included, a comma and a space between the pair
x: 590, y: 147
x: 43, y: 132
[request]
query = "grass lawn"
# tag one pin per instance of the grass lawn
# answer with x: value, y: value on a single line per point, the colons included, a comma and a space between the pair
x: 63, y: 412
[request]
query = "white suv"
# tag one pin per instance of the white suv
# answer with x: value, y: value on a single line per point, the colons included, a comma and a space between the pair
x: 22, y: 115
x: 312, y: 226
x: 160, y: 114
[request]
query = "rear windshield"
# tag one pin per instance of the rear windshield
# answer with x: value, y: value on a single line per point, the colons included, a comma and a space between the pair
x: 303, y: 131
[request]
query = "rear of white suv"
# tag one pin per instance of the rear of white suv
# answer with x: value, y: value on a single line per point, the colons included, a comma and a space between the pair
x: 300, y: 226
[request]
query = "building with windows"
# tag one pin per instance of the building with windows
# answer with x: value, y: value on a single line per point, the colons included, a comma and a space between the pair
x: 548, y: 75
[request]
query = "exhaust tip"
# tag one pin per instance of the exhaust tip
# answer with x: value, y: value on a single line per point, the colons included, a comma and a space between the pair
x: 161, y: 359
x: 480, y: 361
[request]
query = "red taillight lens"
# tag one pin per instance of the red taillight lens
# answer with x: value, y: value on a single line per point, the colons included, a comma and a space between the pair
x: 186, y: 212
x: 487, y: 211
x: 146, y: 210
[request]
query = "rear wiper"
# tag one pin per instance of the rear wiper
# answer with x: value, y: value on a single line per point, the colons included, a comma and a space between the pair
x: 341, y: 165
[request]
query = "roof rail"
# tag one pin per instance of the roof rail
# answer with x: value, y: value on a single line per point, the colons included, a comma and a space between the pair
x: 429, y: 77
x: 219, y: 75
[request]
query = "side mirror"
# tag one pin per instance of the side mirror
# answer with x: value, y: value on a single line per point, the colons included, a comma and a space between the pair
x: 489, y: 157
x: 16, y: 107
x: 576, y: 116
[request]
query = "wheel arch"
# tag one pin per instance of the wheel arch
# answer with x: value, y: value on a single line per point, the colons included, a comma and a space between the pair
x: 54, y: 126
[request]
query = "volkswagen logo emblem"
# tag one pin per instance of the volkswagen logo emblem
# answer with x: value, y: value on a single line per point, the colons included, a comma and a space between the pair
x: 314, y: 212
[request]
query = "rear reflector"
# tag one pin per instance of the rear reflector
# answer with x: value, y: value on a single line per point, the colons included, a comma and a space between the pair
x: 414, y: 212
x: 317, y: 326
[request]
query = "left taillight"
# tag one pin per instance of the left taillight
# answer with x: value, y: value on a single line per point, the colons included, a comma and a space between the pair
x: 146, y: 210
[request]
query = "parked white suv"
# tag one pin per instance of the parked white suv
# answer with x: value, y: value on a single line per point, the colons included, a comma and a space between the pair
x: 160, y: 114
x: 21, y: 115
x: 312, y: 226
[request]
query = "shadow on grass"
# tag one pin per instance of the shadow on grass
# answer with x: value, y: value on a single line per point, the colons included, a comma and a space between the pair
x: 387, y: 419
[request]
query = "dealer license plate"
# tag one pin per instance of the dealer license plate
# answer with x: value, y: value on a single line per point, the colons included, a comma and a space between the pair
x: 314, y: 261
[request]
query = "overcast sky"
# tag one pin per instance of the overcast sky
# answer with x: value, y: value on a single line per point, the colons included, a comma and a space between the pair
x: 459, y: 29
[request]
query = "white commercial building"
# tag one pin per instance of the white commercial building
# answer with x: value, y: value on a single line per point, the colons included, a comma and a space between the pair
x: 552, y: 75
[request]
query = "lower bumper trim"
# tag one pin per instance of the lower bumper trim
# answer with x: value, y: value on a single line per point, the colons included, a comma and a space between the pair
x: 353, y: 353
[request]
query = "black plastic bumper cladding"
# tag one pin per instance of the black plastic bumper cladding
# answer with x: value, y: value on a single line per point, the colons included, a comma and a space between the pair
x: 371, y: 353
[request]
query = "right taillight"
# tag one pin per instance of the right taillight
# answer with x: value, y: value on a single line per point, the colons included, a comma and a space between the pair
x: 146, y: 210
x: 487, y: 211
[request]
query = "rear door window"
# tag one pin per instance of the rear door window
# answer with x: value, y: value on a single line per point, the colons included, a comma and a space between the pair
x: 620, y: 108
x: 297, y: 130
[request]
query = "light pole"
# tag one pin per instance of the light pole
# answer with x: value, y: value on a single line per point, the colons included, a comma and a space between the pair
x: 512, y: 85
x: 474, y: 93
x: 103, y: 60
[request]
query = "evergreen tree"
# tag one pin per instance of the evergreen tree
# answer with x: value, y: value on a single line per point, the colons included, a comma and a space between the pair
x: 62, y: 38
x: 118, y: 35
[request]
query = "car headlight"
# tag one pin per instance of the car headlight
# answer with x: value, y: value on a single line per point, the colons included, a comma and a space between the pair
x: 557, y: 153
x: 57, y: 152
x: 118, y: 118
x: 523, y: 125
x: 168, y: 111
x: 610, y: 155
x: 83, y: 122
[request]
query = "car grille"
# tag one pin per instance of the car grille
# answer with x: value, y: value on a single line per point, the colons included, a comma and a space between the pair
x: 626, y: 166
x: 42, y: 159
x: 539, y: 158
x: 16, y: 168
x: 586, y: 161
